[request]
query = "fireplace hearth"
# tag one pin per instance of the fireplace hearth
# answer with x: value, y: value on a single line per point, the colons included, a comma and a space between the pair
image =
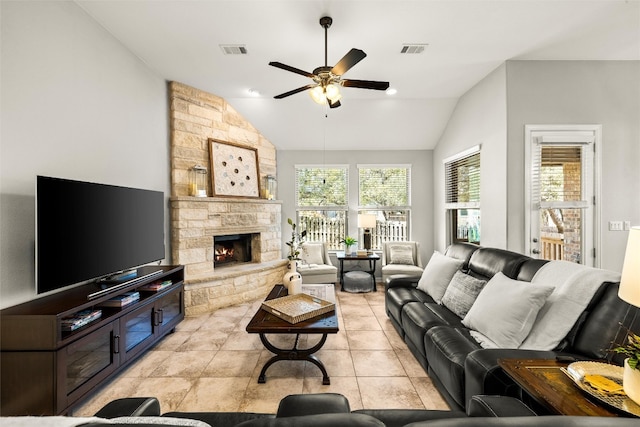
x: 231, y: 249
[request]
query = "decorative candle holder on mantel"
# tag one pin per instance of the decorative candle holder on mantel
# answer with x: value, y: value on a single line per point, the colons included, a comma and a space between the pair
x: 198, y: 181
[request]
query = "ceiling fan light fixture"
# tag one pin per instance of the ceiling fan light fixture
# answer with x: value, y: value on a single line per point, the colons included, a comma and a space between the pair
x: 333, y: 92
x: 318, y: 95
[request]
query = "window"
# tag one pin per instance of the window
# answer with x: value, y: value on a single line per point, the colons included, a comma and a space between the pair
x: 462, y: 196
x: 322, y: 203
x: 384, y: 191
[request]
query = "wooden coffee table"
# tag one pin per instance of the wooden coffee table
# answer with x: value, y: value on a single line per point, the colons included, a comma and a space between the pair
x: 264, y: 323
x: 550, y: 387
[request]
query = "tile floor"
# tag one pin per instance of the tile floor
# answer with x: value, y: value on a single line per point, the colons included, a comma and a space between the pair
x: 212, y: 364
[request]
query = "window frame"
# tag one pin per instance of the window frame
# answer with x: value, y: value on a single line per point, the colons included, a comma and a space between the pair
x: 451, y: 204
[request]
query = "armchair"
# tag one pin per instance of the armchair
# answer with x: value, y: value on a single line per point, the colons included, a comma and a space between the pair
x: 401, y: 258
x: 316, y: 266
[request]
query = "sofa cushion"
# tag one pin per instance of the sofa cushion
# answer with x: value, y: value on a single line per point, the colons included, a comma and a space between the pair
x: 396, y: 298
x: 437, y: 275
x: 505, y: 310
x: 462, y: 293
x: 418, y: 318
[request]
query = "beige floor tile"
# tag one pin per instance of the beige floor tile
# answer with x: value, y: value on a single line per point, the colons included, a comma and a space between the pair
x: 369, y: 363
x: 236, y: 311
x: 364, y: 323
x: 410, y: 364
x: 431, y: 397
x: 169, y: 391
x: 389, y: 393
x: 219, y: 323
x: 338, y: 363
x: 395, y: 339
x: 337, y: 341
x: 172, y: 342
x: 368, y: 340
x: 266, y: 397
x: 349, y: 311
x: 281, y: 368
x: 188, y: 364
x: 346, y: 386
x: 147, y: 363
x: 207, y: 339
x: 232, y: 364
x: 192, y: 323
x: 215, y: 394
x: 241, y: 340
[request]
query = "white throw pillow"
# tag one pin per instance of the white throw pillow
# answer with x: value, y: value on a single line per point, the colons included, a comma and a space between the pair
x: 437, y: 275
x: 401, y: 254
x: 506, y: 309
x: 312, y: 253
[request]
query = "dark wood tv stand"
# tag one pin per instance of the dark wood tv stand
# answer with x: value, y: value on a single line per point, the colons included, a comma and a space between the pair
x: 45, y: 370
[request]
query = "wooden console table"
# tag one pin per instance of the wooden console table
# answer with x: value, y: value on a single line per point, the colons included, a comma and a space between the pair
x: 550, y: 387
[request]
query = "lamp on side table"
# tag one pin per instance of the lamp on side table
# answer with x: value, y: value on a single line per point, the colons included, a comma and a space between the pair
x: 367, y: 222
x: 630, y: 292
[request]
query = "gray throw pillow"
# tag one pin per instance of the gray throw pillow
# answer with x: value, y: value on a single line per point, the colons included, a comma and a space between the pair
x: 437, y: 275
x: 462, y: 293
x: 401, y: 254
x: 506, y: 309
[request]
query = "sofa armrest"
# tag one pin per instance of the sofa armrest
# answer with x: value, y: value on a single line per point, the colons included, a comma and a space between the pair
x: 497, y: 406
x: 130, y: 407
x: 402, y: 417
x: 402, y: 280
x: 311, y: 404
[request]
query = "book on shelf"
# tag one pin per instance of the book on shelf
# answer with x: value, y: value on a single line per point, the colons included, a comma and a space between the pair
x: 122, y: 300
x: 156, y: 286
x: 80, y: 319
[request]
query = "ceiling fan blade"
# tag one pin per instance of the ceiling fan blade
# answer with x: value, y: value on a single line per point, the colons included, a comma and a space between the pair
x: 349, y: 60
x: 335, y: 104
x: 293, y: 92
x: 365, y: 84
x: 290, y: 68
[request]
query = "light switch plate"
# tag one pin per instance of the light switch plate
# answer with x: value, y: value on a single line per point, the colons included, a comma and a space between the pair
x: 615, y: 225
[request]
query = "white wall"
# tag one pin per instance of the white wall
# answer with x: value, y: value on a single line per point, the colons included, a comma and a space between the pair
x: 75, y: 104
x: 421, y: 186
x: 479, y: 118
x: 580, y: 92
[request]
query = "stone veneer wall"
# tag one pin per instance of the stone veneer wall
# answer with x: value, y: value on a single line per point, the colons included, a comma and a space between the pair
x: 195, y: 116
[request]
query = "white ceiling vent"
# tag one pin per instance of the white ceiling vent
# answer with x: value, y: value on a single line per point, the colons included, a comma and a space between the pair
x: 413, y: 48
x: 234, y: 49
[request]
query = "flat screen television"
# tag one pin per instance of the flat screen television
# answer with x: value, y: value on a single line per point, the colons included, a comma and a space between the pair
x: 86, y: 231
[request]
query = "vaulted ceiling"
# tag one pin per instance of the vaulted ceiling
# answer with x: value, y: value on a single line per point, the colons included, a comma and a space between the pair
x: 465, y: 40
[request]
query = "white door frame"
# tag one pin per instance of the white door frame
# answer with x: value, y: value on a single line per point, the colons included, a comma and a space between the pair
x: 562, y: 131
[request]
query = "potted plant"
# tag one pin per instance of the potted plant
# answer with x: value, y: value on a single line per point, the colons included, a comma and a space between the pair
x: 631, y: 376
x: 348, y: 242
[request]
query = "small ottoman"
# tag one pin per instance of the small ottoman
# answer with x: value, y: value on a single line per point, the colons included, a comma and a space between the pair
x: 358, y: 281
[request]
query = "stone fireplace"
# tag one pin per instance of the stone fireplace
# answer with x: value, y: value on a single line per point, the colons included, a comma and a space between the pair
x: 198, y: 224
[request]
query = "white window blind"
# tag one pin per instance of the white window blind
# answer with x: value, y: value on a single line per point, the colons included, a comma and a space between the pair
x: 462, y: 180
x: 384, y: 186
x: 322, y: 186
x: 558, y: 175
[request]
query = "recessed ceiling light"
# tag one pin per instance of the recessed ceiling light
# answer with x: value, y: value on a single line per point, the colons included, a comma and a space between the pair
x: 391, y: 91
x: 254, y: 92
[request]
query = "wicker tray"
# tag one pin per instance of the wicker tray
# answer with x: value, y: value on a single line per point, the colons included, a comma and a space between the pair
x: 620, y: 402
x: 297, y: 308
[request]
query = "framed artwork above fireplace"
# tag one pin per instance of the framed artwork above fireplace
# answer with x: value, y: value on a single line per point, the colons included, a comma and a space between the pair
x: 234, y: 169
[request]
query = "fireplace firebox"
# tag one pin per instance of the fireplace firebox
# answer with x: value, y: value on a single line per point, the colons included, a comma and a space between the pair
x: 231, y: 249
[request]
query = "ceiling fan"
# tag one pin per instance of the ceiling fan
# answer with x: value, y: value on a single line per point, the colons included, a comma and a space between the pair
x: 327, y: 80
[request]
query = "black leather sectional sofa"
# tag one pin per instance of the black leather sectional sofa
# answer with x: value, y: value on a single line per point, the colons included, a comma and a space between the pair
x: 331, y: 410
x: 456, y: 363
